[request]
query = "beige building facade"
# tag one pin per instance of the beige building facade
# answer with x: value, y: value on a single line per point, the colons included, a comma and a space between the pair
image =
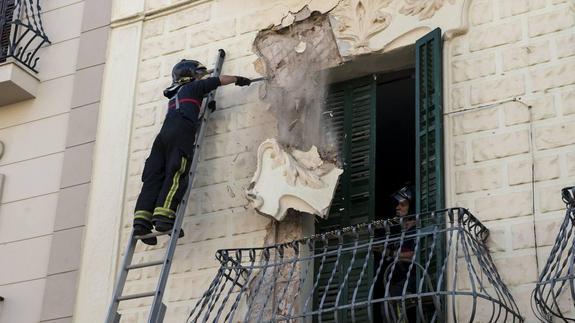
x: 508, y: 128
x: 508, y: 107
x: 48, y: 121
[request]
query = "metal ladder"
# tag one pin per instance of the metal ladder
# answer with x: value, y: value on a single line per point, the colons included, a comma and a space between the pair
x: 158, y: 309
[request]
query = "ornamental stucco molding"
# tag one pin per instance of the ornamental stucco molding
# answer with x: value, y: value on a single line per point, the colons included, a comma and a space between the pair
x: 297, y: 179
x: 366, y: 26
x: 357, y: 21
x: 424, y: 9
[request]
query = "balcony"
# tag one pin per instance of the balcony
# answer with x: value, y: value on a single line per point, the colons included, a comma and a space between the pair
x: 430, y: 267
x: 554, y: 294
x: 21, y: 37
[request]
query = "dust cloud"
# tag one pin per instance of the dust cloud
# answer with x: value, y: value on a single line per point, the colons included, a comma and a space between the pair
x: 295, y: 59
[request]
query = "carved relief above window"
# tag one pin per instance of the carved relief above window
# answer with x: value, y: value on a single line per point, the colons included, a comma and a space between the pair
x: 365, y: 26
x: 424, y: 9
x: 357, y: 21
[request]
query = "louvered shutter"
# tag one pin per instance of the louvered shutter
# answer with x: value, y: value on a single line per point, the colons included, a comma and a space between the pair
x: 6, y: 13
x: 351, y: 106
x: 429, y: 123
x: 429, y: 152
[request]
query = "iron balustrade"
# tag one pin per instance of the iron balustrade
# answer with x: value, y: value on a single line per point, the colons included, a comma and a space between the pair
x: 554, y: 293
x: 427, y: 267
x: 21, y: 32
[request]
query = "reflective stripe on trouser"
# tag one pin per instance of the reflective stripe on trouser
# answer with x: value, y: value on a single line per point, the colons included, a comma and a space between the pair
x: 172, y: 191
x: 143, y: 215
x: 165, y: 174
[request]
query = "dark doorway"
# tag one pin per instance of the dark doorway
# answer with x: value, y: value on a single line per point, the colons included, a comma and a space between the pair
x: 395, y: 142
x: 395, y: 151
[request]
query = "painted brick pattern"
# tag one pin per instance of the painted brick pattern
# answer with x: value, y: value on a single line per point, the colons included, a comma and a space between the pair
x: 216, y: 216
x: 511, y: 117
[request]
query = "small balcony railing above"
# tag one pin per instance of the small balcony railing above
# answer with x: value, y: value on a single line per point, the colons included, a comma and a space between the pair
x: 430, y: 267
x: 554, y: 293
x: 21, y: 32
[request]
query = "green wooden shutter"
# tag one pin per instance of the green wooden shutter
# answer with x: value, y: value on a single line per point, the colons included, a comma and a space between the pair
x: 351, y: 106
x: 429, y: 151
x: 352, y: 109
x: 429, y: 123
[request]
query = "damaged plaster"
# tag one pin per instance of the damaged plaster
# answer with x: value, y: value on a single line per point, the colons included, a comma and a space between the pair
x: 294, y: 58
x: 297, y: 179
x: 292, y: 54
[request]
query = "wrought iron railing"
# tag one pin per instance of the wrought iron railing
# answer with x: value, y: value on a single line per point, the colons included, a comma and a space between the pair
x: 21, y: 31
x: 554, y: 293
x: 429, y: 267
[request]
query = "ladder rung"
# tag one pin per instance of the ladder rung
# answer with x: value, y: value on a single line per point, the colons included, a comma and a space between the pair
x: 145, y: 264
x: 133, y: 296
x: 153, y: 234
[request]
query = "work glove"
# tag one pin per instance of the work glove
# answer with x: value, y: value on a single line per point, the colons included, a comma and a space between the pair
x: 243, y: 81
x: 212, y: 105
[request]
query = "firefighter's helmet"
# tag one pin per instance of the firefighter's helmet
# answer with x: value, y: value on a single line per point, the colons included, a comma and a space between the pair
x: 404, y: 193
x: 184, y: 72
x: 187, y: 70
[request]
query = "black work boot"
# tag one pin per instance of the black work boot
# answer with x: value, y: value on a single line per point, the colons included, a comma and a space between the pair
x: 162, y: 225
x: 141, y: 228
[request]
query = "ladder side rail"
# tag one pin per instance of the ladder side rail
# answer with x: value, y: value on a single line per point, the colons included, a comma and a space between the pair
x: 113, y: 316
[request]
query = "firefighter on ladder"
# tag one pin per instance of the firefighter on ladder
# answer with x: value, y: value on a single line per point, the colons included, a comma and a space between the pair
x: 165, y: 174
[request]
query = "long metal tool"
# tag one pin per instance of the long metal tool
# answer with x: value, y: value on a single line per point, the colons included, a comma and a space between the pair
x: 263, y: 78
x: 158, y: 309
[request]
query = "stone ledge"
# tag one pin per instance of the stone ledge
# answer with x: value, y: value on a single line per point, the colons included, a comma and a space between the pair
x: 16, y: 84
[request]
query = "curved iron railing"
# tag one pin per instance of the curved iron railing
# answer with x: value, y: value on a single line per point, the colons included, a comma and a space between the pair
x: 420, y: 268
x: 21, y: 31
x: 554, y: 293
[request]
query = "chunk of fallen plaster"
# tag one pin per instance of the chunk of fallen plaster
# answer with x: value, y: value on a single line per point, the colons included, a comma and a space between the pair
x: 299, y: 180
x: 300, y: 48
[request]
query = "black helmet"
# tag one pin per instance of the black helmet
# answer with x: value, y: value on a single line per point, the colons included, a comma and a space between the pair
x: 404, y: 193
x: 186, y: 70
x: 183, y: 72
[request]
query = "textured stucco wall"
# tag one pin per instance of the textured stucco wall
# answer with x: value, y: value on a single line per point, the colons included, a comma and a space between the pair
x: 505, y: 49
x: 520, y: 50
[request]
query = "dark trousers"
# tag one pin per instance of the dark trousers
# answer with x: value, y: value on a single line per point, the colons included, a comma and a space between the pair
x: 165, y: 175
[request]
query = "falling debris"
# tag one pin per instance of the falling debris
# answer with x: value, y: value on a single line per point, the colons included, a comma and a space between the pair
x: 294, y: 57
x: 292, y: 124
x: 285, y: 179
x: 300, y: 48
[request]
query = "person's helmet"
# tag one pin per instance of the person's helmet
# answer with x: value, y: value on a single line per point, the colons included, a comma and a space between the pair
x: 404, y: 193
x: 186, y: 70
x: 183, y: 72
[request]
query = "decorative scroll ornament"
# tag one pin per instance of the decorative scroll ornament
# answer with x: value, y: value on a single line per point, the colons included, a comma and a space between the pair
x: 298, y: 180
x: 368, y: 26
x: 357, y: 21
x: 424, y: 8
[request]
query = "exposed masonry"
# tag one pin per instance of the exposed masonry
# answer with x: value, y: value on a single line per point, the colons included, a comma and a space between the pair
x: 294, y: 58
